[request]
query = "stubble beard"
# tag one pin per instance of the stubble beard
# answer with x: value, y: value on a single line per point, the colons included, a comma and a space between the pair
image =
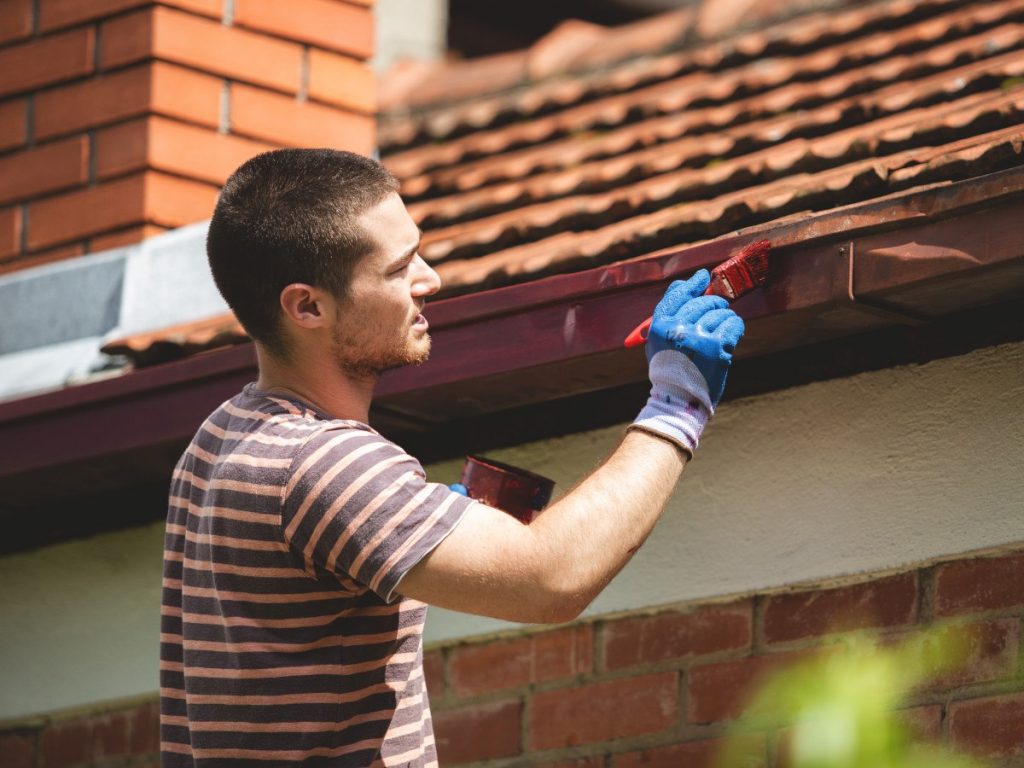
x: 358, y: 361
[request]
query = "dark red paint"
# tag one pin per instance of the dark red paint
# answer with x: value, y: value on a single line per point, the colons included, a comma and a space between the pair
x: 520, y: 493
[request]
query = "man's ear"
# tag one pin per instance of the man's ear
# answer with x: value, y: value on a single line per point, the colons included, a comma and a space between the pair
x: 304, y: 305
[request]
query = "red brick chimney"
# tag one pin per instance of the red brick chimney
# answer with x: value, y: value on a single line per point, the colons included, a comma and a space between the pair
x: 121, y: 118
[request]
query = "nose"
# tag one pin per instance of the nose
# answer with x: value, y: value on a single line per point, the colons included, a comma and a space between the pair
x: 426, y: 281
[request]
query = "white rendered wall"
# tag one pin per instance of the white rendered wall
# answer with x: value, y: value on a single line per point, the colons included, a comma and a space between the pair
x: 832, y: 479
x: 80, y: 622
x: 409, y: 29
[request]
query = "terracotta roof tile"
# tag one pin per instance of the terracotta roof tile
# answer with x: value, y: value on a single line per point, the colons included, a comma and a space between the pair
x: 704, y: 145
x: 572, y: 46
x: 621, y: 143
x: 698, y: 220
x: 789, y: 41
x: 637, y: 39
x: 179, y: 340
x: 759, y: 87
x: 412, y: 82
x: 658, y: 179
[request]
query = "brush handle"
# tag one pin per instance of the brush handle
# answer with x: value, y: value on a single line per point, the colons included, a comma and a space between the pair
x: 730, y: 280
x: 638, y: 335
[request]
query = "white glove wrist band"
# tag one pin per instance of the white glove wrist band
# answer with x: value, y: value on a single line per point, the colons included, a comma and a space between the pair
x: 679, y: 405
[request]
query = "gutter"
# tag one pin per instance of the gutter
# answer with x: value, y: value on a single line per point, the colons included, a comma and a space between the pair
x: 909, y: 258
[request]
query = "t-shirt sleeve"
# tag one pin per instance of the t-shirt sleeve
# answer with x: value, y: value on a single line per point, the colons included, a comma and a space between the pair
x: 359, y: 506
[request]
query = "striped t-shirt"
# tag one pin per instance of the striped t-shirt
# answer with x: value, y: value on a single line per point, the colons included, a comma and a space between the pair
x: 282, y: 639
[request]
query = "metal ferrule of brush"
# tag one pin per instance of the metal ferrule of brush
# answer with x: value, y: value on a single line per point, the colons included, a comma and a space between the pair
x: 720, y: 286
x: 731, y: 279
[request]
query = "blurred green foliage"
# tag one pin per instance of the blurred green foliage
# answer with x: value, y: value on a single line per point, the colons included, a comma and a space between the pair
x: 841, y: 707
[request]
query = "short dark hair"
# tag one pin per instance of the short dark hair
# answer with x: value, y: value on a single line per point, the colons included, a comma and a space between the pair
x: 290, y: 216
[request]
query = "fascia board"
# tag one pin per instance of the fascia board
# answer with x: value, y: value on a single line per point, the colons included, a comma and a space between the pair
x: 563, y: 335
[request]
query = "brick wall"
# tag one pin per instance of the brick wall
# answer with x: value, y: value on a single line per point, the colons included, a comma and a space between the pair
x: 120, y: 118
x: 657, y: 690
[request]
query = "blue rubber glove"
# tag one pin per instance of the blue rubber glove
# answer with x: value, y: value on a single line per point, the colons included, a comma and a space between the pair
x: 689, y: 351
x: 459, y: 488
x: 701, y: 327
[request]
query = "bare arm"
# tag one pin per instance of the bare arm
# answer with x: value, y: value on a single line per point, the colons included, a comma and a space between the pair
x: 549, y: 571
x: 552, y: 569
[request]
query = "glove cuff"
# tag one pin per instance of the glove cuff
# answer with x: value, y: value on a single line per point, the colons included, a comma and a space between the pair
x: 679, y: 406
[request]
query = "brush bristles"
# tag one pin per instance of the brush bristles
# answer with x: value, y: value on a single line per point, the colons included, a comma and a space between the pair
x: 743, y: 272
x: 754, y: 258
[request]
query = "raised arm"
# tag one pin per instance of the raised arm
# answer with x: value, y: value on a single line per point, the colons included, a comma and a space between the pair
x: 550, y: 570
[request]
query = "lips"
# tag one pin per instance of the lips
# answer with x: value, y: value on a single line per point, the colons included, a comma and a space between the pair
x: 420, y: 323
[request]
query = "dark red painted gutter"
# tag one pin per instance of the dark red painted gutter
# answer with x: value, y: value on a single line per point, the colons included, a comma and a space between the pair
x: 904, y: 259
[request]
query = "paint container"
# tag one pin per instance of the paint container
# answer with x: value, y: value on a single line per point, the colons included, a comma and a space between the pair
x: 520, y: 493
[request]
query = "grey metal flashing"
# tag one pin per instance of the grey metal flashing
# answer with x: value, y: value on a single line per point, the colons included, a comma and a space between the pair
x: 58, y: 303
x: 57, y: 316
x: 51, y: 367
x: 167, y: 281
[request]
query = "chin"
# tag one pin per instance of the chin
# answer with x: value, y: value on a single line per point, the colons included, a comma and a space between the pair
x: 416, y: 353
x: 419, y: 349
x: 419, y: 356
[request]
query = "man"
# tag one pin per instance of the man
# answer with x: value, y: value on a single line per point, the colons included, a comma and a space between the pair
x: 302, y: 546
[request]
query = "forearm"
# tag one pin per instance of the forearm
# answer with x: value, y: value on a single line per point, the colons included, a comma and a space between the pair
x: 592, y: 532
x: 550, y: 570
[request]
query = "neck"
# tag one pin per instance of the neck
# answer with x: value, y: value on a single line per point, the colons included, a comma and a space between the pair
x: 319, y: 382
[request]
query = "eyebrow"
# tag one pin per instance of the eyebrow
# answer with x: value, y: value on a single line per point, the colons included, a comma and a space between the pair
x: 409, y: 252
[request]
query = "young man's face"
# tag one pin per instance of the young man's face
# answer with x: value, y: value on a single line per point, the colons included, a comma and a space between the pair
x: 380, y: 324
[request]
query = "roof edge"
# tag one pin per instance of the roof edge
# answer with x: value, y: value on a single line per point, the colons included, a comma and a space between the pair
x: 563, y: 334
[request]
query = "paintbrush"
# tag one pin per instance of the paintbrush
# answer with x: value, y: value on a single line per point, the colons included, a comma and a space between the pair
x: 731, y: 279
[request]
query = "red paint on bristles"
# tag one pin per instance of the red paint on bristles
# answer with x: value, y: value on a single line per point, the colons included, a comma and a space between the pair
x: 731, y: 279
x: 742, y: 273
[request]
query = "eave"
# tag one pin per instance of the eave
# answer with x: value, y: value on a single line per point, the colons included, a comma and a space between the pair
x: 910, y: 258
